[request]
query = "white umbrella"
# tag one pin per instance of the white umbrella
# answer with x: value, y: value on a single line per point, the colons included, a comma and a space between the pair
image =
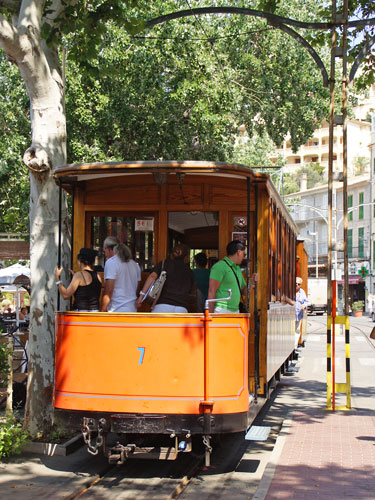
x: 15, y: 274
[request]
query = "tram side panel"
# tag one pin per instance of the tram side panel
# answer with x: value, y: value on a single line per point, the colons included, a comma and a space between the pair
x: 276, y: 267
x: 280, y: 336
x: 152, y: 365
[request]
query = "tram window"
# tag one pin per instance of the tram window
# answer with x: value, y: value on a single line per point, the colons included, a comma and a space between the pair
x: 140, y: 238
x: 198, y: 230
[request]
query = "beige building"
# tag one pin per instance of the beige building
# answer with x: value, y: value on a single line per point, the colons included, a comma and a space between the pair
x: 316, y: 148
x: 310, y: 206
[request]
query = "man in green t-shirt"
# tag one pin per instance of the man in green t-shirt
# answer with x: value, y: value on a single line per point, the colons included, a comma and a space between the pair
x: 223, y: 277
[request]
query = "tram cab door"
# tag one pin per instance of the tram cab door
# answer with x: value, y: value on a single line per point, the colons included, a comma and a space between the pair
x: 200, y: 232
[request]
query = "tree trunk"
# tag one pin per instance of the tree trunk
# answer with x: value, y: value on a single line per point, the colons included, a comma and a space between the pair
x: 47, y: 151
x: 40, y: 68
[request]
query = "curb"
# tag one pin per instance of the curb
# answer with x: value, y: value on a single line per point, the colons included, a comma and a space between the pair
x: 53, y: 449
x: 269, y: 472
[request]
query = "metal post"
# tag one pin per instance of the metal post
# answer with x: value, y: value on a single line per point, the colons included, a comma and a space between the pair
x: 248, y: 245
x: 330, y: 179
x: 256, y: 314
x: 345, y: 152
x: 330, y: 159
x: 207, y: 404
x: 372, y: 166
x: 333, y: 344
x: 59, y: 239
x: 317, y: 254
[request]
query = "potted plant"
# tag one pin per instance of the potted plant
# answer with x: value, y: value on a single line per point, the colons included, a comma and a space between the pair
x: 357, y: 308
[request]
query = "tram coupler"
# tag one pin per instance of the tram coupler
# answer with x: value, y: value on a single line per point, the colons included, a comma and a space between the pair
x: 90, y: 426
x: 120, y: 453
x: 207, y: 420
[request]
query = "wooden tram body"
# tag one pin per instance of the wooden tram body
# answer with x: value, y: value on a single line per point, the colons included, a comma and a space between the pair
x: 176, y: 374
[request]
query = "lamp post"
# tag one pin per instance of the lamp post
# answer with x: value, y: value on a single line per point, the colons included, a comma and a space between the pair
x: 316, y: 234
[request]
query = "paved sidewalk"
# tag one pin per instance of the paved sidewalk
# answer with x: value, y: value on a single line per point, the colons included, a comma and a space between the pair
x: 321, y: 454
x: 326, y: 455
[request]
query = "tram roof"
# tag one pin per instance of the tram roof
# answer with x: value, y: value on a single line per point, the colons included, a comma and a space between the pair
x: 77, y: 172
x: 85, y: 171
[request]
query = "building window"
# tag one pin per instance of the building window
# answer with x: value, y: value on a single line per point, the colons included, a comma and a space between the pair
x: 360, y: 210
x: 350, y: 242
x: 361, y: 241
x: 350, y: 205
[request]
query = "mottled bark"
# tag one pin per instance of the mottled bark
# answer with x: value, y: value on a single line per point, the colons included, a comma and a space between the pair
x: 41, y: 72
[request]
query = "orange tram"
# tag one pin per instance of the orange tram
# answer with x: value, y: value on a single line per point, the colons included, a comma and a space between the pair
x: 162, y: 379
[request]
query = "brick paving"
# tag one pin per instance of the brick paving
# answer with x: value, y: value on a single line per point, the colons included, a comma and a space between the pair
x: 326, y: 455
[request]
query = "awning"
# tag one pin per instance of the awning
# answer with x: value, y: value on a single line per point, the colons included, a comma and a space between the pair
x: 353, y: 280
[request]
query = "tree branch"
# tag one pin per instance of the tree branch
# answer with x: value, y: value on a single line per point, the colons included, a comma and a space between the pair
x: 11, y: 5
x: 57, y: 7
x: 31, y: 13
x: 9, y: 39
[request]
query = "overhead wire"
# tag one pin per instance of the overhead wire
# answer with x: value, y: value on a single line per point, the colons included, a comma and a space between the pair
x: 210, y: 39
x: 236, y: 35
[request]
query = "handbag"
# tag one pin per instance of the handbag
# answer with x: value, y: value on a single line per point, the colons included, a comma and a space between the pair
x: 153, y: 293
x: 372, y: 334
x: 241, y: 305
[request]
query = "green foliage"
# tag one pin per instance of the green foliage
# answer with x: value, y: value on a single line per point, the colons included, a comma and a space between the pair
x: 268, y: 5
x: 358, y: 305
x: 175, y: 91
x: 57, y: 435
x: 12, y: 436
x: 4, y: 366
x: 178, y: 90
x: 255, y: 151
x: 357, y: 37
x: 315, y: 176
x: 14, y: 138
x: 361, y: 164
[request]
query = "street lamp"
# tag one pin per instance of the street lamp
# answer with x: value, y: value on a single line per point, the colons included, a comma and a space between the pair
x: 316, y: 234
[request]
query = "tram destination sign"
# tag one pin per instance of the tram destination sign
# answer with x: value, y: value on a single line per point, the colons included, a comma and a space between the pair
x: 144, y: 224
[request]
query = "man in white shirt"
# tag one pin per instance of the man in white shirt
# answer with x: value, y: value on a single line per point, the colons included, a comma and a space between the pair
x: 122, y: 276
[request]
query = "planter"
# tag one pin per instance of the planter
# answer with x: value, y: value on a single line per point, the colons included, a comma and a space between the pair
x: 52, y: 449
x: 357, y: 314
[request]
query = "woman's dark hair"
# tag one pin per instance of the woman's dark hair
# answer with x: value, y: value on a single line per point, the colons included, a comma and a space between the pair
x: 180, y: 251
x: 87, y: 256
x: 201, y: 259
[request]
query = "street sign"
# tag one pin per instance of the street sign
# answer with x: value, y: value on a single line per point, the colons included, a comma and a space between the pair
x: 363, y: 271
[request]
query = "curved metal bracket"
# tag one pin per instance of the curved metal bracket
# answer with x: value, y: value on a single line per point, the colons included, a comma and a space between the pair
x: 365, y: 50
x: 272, y: 18
x: 309, y: 49
x: 281, y: 23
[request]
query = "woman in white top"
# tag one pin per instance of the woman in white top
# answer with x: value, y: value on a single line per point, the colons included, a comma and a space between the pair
x: 122, y: 276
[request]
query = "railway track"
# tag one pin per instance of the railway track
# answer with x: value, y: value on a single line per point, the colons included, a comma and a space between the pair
x: 142, y: 479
